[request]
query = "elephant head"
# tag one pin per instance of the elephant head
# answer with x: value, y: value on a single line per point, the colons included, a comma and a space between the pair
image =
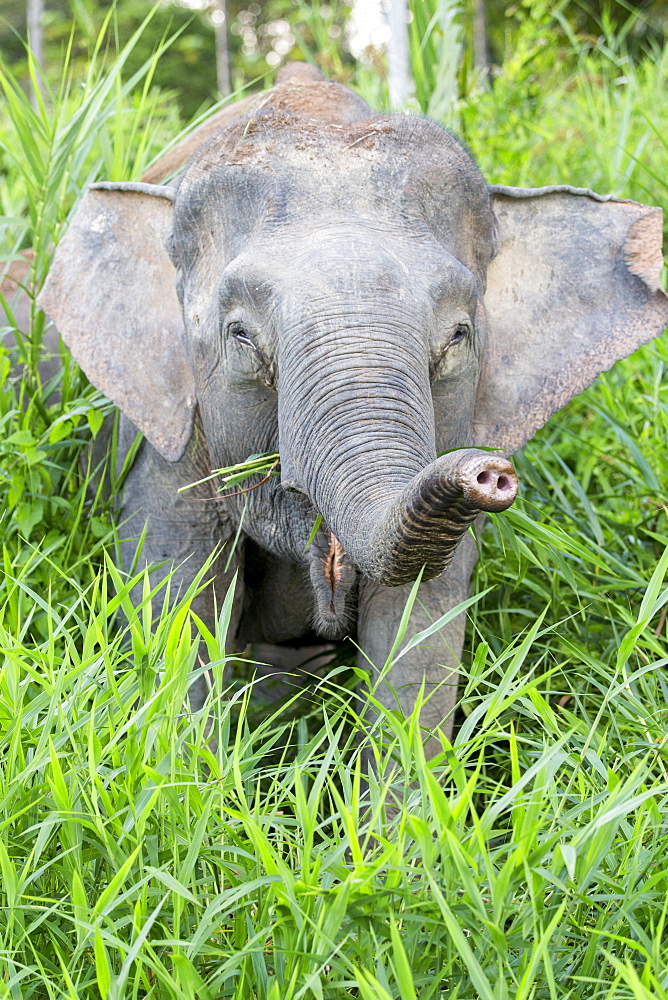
x: 352, y: 294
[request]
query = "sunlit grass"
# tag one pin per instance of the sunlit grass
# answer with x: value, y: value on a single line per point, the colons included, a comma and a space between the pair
x: 146, y: 847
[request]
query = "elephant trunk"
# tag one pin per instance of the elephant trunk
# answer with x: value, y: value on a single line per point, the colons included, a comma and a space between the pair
x: 357, y: 436
x: 424, y: 525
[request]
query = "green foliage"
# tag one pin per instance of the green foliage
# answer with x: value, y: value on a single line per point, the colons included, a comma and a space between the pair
x: 148, y: 851
x: 600, y: 123
x: 80, y: 28
x: 55, y: 491
x: 436, y: 49
x: 261, y: 36
x: 641, y: 24
x: 264, y: 34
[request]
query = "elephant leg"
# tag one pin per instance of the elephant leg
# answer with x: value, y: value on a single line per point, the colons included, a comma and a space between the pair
x: 436, y: 661
x: 180, y: 532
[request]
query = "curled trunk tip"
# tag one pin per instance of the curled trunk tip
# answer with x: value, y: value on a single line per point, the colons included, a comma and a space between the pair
x: 432, y: 514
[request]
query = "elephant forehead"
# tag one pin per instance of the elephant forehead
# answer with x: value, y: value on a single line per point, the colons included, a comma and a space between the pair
x: 276, y: 168
x: 336, y: 262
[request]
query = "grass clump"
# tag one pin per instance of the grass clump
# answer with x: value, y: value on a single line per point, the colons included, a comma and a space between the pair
x: 49, y: 413
x: 265, y: 465
x: 141, y: 858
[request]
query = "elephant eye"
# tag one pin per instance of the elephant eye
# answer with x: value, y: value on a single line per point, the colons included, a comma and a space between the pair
x: 243, y: 336
x: 240, y: 333
x: 460, y: 332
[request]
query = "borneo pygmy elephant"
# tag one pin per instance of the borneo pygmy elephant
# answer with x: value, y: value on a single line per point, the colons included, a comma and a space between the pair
x: 345, y: 289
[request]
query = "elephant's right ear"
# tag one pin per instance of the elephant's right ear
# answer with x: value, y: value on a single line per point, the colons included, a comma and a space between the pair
x: 111, y: 293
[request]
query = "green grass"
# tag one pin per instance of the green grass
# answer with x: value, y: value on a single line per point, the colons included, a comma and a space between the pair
x: 148, y: 851
x: 141, y: 859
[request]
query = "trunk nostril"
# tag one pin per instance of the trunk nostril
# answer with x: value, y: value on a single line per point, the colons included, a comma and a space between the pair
x: 490, y: 488
x: 494, y: 484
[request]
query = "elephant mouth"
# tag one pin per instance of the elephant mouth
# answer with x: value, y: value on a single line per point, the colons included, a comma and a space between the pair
x: 333, y: 568
x: 333, y: 577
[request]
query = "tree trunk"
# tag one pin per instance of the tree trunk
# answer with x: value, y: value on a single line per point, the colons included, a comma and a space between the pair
x: 35, y: 17
x: 443, y: 101
x: 399, y: 75
x: 222, y: 54
x: 480, y: 49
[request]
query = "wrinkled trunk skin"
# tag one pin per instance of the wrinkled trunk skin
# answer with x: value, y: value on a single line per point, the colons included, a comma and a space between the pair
x: 423, y: 526
x: 353, y: 427
x: 358, y: 439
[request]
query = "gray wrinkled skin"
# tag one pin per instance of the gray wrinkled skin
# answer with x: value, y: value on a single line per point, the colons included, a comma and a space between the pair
x: 333, y: 286
x: 348, y: 304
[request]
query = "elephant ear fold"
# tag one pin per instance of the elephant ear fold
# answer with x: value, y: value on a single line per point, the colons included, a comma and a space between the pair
x: 573, y: 288
x: 111, y: 293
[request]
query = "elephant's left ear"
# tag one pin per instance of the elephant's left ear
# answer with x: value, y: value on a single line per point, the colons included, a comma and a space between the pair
x: 573, y: 288
x: 111, y: 293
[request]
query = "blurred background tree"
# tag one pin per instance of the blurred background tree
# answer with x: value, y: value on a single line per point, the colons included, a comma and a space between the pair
x: 260, y: 37
x: 472, y: 35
